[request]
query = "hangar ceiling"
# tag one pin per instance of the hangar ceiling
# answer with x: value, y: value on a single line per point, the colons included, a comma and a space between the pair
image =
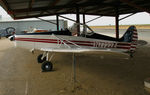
x: 19, y: 9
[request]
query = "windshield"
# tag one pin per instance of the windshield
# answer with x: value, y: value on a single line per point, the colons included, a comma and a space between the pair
x: 85, y: 30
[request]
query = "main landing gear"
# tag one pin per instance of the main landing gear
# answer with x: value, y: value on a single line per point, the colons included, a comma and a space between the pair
x: 46, y: 64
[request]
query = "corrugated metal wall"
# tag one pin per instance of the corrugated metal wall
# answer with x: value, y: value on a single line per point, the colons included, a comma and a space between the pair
x: 26, y: 25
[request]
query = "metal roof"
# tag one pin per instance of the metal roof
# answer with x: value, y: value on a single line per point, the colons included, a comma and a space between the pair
x: 19, y: 9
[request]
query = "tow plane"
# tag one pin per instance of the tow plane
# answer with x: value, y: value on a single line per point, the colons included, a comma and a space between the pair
x: 65, y: 40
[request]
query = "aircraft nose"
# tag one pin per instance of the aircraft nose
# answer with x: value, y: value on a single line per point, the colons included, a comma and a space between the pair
x: 12, y: 38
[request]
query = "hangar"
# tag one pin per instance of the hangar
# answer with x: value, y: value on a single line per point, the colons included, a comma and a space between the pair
x: 26, y: 9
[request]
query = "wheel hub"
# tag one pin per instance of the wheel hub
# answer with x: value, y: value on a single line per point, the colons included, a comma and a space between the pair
x: 46, y: 66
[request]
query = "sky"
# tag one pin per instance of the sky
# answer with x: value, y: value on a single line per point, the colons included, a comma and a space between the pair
x: 139, y: 18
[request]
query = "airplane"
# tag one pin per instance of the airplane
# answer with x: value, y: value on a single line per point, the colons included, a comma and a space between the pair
x: 64, y: 41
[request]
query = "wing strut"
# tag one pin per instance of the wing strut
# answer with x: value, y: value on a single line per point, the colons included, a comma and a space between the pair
x: 46, y: 20
x: 63, y: 40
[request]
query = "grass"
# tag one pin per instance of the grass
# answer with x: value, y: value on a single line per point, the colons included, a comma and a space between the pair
x: 138, y: 26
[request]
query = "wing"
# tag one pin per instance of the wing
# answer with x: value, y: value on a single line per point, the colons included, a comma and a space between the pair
x: 84, y: 50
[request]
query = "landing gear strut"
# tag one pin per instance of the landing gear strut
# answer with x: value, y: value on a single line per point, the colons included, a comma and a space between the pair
x: 131, y: 54
x: 45, y: 60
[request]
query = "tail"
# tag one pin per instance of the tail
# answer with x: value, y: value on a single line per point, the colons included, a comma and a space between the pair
x: 131, y: 36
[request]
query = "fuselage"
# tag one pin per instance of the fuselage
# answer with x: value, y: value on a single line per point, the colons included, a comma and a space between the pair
x: 65, y: 42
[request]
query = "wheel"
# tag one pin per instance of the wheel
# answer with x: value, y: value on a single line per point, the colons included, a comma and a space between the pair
x: 40, y: 60
x: 47, y: 66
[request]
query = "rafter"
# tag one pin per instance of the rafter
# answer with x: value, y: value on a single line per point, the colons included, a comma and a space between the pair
x: 50, y: 5
x: 130, y: 3
x: 92, y: 7
x: 30, y: 6
x: 57, y: 7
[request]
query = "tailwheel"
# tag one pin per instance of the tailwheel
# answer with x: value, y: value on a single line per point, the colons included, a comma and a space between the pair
x: 47, y: 66
x: 40, y: 59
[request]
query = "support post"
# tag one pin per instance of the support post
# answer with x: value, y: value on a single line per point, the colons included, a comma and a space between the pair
x: 78, y: 21
x: 74, y: 69
x: 117, y: 24
x: 84, y: 27
x: 57, y: 20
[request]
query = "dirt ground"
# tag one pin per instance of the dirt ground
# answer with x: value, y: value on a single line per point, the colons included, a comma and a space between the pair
x: 97, y: 74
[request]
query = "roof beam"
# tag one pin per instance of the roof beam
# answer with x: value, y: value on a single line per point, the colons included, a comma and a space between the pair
x: 47, y: 21
x: 93, y: 19
x: 72, y: 2
x: 135, y: 5
x: 34, y: 16
x: 105, y: 10
x: 126, y: 16
x: 30, y: 4
x: 51, y: 5
x: 96, y: 6
x: 57, y: 7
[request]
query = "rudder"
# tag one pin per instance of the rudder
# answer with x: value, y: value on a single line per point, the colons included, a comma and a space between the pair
x: 131, y: 36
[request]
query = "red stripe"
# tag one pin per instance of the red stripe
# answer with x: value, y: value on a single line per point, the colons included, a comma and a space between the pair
x: 123, y: 47
x: 36, y: 39
x: 135, y: 37
x: 126, y: 44
x: 51, y: 42
x: 134, y: 44
x: 54, y: 40
x: 82, y: 41
x: 134, y: 40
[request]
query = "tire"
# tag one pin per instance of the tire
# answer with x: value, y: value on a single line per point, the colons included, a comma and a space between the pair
x: 47, y: 66
x: 41, y: 60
